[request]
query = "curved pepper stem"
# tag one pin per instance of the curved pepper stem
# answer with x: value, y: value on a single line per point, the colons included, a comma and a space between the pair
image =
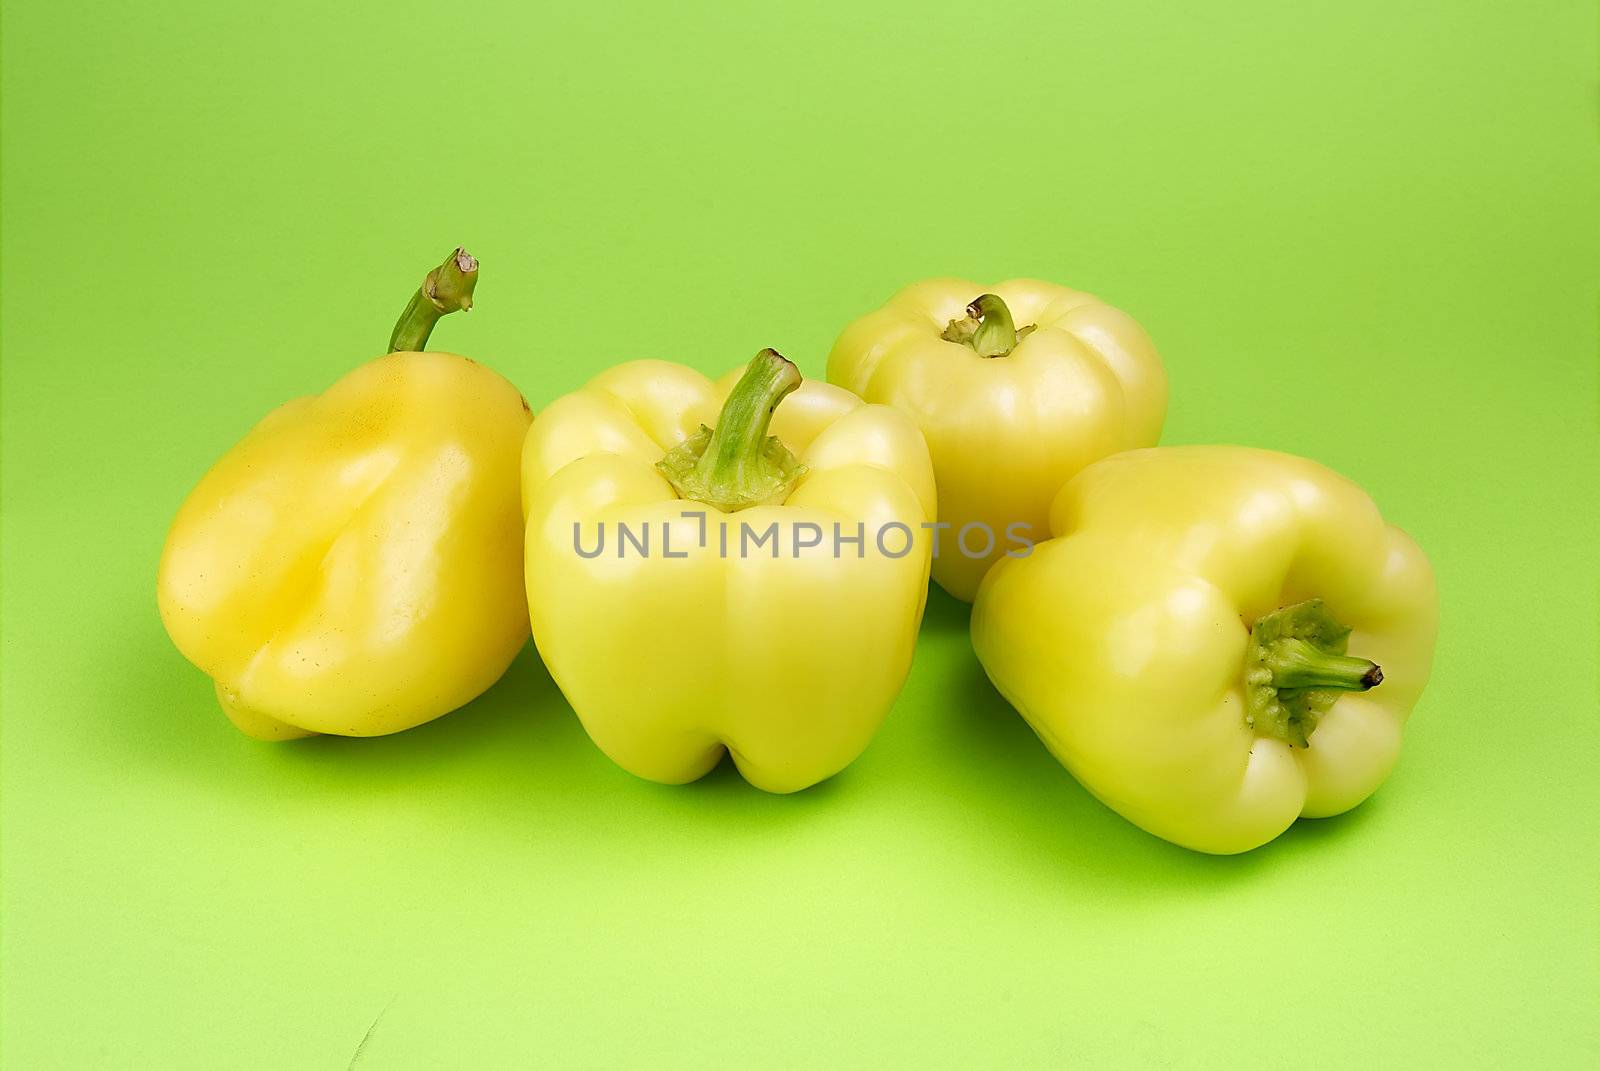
x: 446, y: 289
x: 739, y: 465
x: 1295, y: 668
x: 1294, y: 663
x: 996, y: 335
x: 987, y: 327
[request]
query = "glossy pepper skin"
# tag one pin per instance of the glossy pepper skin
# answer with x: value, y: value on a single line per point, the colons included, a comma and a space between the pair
x: 353, y: 565
x: 1017, y: 387
x: 1216, y: 641
x: 788, y: 661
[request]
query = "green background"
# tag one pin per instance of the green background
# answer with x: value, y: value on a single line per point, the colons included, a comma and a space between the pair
x: 1363, y: 232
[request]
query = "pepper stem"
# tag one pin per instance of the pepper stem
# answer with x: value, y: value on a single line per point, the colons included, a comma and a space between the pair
x: 987, y: 327
x: 446, y: 289
x: 996, y: 335
x: 739, y: 465
x: 1295, y: 668
x: 1294, y: 663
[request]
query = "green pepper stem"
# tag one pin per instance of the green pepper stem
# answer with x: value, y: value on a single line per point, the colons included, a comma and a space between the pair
x: 1294, y: 663
x: 746, y: 415
x: 996, y: 335
x: 1295, y: 667
x: 446, y: 289
x: 738, y: 464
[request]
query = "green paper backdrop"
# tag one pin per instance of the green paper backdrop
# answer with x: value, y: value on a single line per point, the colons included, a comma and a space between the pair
x: 1364, y: 232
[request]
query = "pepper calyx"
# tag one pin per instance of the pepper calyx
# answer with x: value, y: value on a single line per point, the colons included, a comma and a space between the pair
x: 738, y: 465
x: 1295, y: 668
x: 987, y: 328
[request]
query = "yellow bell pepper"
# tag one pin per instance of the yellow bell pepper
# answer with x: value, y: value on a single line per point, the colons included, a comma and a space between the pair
x: 1216, y: 641
x: 354, y: 564
x: 695, y: 590
x: 1010, y: 413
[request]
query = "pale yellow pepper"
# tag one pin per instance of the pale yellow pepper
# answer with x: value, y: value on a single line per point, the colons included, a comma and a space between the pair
x: 1017, y: 387
x: 354, y: 564
x: 689, y: 590
x: 1216, y: 641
